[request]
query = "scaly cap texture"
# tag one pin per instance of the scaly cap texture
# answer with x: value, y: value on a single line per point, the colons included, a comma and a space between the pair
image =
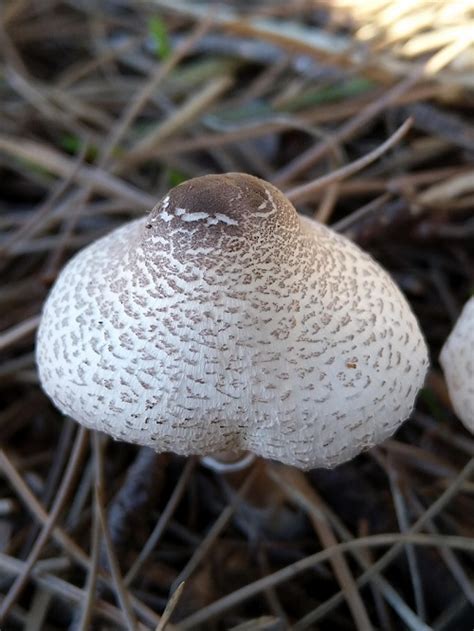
x: 224, y: 321
x: 457, y: 360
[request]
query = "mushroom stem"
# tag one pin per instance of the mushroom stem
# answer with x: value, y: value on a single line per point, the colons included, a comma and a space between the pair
x: 228, y: 461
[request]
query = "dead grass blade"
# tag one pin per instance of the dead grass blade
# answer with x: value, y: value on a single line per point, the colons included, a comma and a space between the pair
x: 18, y: 332
x: 170, y: 607
x: 162, y: 522
x: 64, y: 490
x: 306, y: 191
x: 300, y: 491
x: 69, y: 546
x: 184, y: 115
x: 399, y: 540
x: 314, y: 154
x: 120, y: 589
x: 87, y: 609
x: 62, y: 166
x: 217, y: 527
x: 252, y: 589
x: 388, y: 557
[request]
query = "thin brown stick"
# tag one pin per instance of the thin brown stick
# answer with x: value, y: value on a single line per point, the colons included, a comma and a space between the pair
x: 215, y: 530
x: 170, y: 607
x: 312, y: 155
x: 404, y: 525
x: 120, y: 589
x: 78, y: 72
x: 90, y: 588
x: 162, y: 521
x: 47, y: 158
x: 306, y: 191
x: 347, y: 222
x: 288, y: 572
x: 62, y: 495
x: 298, y: 490
x: 282, y: 122
x: 60, y: 536
x: 378, y: 581
x: 136, y: 105
x: 328, y: 203
x: 456, y: 569
x: 391, y: 554
x: 18, y: 332
x: 35, y: 222
x: 189, y: 111
x: 59, y: 587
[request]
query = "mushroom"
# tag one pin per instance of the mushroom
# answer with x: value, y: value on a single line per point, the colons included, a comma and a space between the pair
x: 225, y: 322
x: 457, y: 361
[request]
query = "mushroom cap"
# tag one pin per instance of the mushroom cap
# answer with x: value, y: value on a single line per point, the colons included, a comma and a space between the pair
x: 457, y: 361
x: 225, y: 321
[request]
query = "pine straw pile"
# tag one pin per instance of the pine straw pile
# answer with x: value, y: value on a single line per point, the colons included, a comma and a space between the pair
x: 104, y: 106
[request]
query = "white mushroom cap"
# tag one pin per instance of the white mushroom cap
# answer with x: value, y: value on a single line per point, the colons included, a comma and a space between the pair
x: 457, y: 360
x: 223, y: 321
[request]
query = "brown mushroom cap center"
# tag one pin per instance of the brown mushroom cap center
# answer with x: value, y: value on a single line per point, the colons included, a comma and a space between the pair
x: 219, y: 215
x: 234, y: 202
x: 236, y: 195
